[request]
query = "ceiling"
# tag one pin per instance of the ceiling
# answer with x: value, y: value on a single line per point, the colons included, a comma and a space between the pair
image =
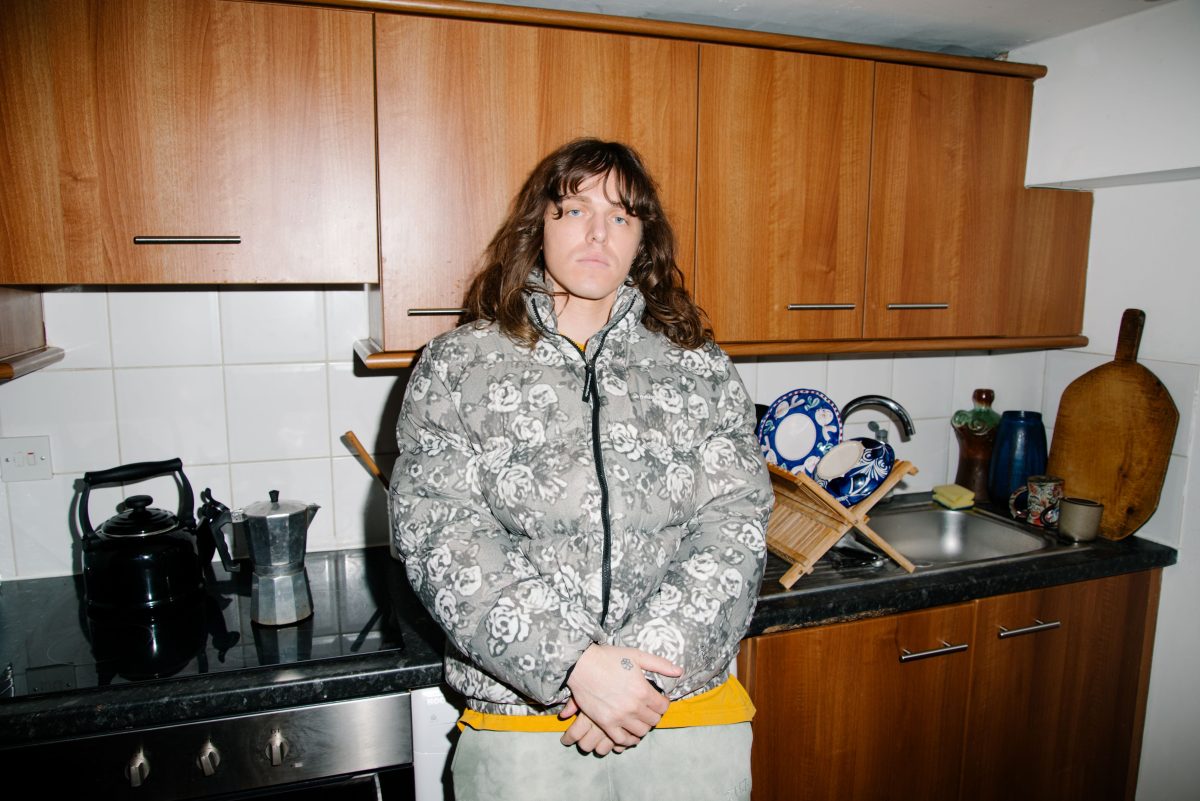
x: 987, y: 28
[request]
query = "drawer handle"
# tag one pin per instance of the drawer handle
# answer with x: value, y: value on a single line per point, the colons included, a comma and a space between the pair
x: 908, y: 656
x: 1034, y: 629
x: 436, y: 312
x: 916, y: 306
x: 187, y: 240
x: 820, y: 306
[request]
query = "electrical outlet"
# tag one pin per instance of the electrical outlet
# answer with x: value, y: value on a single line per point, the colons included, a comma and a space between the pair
x: 24, y: 458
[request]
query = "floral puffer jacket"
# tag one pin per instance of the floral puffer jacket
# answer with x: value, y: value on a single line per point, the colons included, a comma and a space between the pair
x: 546, y: 499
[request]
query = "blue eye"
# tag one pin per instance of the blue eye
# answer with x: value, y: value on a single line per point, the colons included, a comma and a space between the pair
x: 573, y: 212
x: 620, y: 220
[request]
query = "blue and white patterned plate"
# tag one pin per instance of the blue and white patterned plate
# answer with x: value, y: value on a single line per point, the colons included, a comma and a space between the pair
x: 799, y: 428
x: 854, y: 469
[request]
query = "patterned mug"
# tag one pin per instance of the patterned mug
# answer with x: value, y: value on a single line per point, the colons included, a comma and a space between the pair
x: 1041, y: 507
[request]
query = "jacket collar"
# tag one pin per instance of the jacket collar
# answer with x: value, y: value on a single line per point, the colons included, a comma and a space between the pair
x: 626, y: 312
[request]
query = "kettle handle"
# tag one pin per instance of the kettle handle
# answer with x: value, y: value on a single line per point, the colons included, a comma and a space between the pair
x: 214, y: 515
x: 138, y: 471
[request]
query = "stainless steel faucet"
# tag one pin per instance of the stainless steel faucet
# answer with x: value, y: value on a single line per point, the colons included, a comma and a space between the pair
x: 906, y: 423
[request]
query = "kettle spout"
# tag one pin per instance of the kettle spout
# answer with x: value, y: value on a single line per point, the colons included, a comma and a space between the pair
x: 312, y: 512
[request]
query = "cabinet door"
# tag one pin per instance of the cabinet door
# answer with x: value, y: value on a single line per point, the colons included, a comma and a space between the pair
x: 784, y: 144
x: 947, y: 164
x: 1056, y: 711
x: 467, y: 109
x: 1049, y: 271
x: 841, y: 717
x: 190, y: 118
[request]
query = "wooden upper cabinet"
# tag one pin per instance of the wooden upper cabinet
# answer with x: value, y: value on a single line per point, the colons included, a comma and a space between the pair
x: 784, y: 159
x: 138, y: 118
x: 947, y: 166
x: 840, y: 716
x: 1050, y: 255
x: 467, y: 109
x: 1058, y: 691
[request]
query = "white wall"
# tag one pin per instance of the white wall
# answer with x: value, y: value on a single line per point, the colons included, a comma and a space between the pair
x: 1127, y: 91
x: 1120, y: 110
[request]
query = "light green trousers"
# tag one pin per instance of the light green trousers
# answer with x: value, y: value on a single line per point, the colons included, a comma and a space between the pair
x: 701, y: 763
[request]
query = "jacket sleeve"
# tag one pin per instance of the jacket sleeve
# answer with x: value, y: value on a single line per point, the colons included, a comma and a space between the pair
x: 703, y: 607
x: 467, y: 569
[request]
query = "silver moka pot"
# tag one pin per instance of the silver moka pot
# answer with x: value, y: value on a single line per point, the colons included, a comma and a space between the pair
x: 276, y: 533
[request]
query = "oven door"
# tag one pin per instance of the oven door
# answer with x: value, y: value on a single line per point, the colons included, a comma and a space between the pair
x: 341, y: 749
x: 392, y: 784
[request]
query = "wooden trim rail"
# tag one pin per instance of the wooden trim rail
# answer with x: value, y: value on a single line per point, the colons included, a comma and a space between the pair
x: 490, y: 12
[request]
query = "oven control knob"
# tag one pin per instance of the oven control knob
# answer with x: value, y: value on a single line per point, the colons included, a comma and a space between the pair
x: 277, y: 747
x: 209, y: 758
x: 137, y: 769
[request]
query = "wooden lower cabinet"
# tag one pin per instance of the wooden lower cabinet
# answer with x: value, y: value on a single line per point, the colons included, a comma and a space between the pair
x: 1046, y: 711
x: 841, y: 717
x: 1057, y: 712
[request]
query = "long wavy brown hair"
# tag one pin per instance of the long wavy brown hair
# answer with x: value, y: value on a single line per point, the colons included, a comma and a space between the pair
x: 497, y: 293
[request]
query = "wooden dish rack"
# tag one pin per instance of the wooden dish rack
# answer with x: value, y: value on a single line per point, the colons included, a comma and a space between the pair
x: 807, y: 521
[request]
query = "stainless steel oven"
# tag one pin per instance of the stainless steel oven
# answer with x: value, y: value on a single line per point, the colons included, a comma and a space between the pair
x: 352, y: 749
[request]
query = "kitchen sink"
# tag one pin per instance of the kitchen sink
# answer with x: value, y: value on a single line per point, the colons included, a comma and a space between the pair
x: 930, y: 535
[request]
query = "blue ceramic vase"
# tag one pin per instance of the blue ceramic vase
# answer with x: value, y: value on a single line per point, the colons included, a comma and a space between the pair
x: 1019, y: 452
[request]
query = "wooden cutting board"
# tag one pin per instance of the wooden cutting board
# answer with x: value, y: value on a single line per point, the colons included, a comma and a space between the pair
x: 1113, y: 435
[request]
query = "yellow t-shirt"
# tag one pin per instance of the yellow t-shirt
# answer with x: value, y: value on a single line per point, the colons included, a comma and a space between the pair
x: 728, y: 703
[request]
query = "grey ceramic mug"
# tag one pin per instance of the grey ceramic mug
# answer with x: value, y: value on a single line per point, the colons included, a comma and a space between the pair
x: 1079, y: 518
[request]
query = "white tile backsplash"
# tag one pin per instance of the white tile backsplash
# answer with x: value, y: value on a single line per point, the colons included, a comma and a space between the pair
x: 1165, y: 525
x: 305, y: 480
x: 345, y: 322
x: 77, y: 322
x: 168, y: 412
x: 1016, y: 378
x: 367, y: 405
x: 359, y: 505
x: 253, y: 390
x: 1180, y: 380
x: 44, y: 523
x: 853, y: 376
x: 277, y: 411
x: 1063, y: 367
x: 924, y: 385
x: 780, y: 374
x: 74, y: 407
x: 160, y: 329
x: 268, y: 326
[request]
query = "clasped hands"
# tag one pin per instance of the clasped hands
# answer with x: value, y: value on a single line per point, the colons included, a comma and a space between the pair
x: 615, y: 706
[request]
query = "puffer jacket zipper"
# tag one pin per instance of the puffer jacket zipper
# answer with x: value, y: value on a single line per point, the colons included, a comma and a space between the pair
x: 591, y: 395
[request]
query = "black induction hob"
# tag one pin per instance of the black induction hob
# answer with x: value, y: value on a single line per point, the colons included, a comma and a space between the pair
x: 361, y: 604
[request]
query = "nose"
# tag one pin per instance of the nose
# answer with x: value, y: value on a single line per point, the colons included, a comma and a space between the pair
x: 597, y: 232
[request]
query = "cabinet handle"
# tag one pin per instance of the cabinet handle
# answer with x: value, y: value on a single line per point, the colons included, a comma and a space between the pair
x: 908, y: 656
x: 1034, y: 629
x: 187, y: 240
x: 436, y: 312
x: 819, y: 306
x: 916, y: 306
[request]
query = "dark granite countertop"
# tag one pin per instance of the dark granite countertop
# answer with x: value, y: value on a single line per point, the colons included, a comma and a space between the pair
x: 369, y: 634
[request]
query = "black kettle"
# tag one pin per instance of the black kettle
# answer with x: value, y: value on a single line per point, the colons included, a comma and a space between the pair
x: 143, y: 560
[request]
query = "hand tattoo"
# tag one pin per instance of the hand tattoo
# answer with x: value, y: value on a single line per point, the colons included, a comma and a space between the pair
x: 627, y: 663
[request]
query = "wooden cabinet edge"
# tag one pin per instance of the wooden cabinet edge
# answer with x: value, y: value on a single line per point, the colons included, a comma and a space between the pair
x: 376, y: 358
x: 24, y: 363
x: 688, y: 31
x: 1143, y: 682
x: 899, y: 345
